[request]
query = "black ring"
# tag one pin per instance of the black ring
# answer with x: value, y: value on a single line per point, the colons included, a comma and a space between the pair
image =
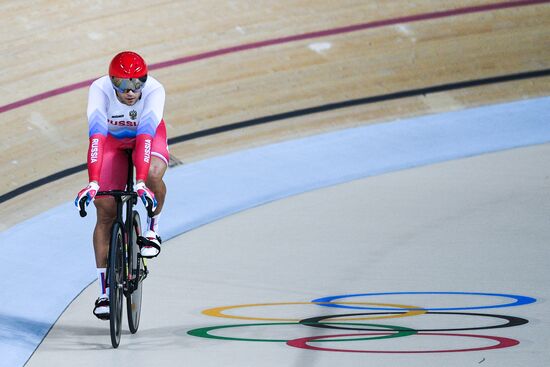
x: 511, y: 321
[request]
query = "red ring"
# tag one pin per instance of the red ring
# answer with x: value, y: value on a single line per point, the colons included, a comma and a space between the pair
x: 502, y: 343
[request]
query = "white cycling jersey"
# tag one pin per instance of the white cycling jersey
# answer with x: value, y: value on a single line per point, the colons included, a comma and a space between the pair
x: 107, y: 115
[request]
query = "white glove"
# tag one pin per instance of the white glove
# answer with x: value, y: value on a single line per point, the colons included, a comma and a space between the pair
x: 147, y: 196
x: 88, y: 193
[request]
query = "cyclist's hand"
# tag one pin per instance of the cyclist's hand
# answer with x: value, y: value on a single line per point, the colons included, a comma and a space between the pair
x: 147, y: 197
x: 86, y: 195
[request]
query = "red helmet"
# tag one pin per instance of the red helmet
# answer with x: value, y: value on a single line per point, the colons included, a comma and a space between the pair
x: 127, y: 64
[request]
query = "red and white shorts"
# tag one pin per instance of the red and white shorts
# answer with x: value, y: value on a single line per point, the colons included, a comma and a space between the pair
x: 114, y: 169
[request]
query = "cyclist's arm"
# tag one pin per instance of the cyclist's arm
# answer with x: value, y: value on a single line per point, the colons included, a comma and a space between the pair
x: 97, y: 130
x: 152, y: 115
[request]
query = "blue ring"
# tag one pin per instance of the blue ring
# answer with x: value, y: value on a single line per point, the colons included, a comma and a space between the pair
x: 519, y: 301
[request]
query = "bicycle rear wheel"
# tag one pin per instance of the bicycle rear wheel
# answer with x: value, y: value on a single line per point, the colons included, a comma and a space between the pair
x: 115, y: 276
x: 136, y: 274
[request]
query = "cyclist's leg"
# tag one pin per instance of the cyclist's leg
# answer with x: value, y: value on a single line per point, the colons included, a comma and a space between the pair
x: 159, y: 164
x: 112, y: 177
x: 155, y: 180
x: 106, y: 215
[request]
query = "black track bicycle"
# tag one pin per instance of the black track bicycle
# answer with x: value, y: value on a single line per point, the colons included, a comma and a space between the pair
x: 126, y: 269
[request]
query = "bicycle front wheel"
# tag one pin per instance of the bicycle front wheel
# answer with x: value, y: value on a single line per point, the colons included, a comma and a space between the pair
x: 136, y: 274
x: 116, y: 278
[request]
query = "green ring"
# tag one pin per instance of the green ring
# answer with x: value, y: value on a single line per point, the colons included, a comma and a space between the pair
x: 204, y: 332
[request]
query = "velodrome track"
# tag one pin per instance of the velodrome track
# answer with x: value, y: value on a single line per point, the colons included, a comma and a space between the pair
x: 472, y: 225
x: 371, y: 199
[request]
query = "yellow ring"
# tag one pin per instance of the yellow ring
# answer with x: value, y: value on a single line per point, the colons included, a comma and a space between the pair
x: 218, y: 311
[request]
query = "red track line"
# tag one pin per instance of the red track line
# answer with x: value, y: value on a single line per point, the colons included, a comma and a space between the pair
x: 299, y: 37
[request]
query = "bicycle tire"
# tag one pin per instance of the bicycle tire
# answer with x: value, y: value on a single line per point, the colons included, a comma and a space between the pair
x: 116, y: 273
x: 135, y: 276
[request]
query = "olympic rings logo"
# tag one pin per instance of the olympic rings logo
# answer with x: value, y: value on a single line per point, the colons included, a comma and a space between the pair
x: 355, y: 331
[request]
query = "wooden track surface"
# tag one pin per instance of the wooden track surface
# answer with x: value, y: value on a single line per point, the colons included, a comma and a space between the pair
x: 53, y: 44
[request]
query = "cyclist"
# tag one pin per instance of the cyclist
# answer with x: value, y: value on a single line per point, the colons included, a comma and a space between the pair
x: 125, y: 111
